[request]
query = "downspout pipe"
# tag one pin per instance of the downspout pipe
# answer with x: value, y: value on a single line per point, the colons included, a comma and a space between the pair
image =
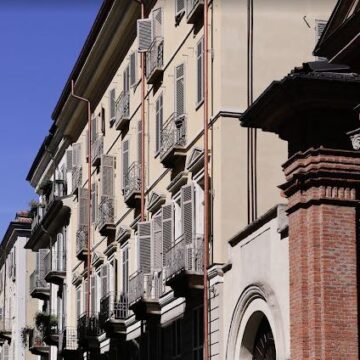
x: 206, y: 180
x: 142, y: 205
x: 89, y: 196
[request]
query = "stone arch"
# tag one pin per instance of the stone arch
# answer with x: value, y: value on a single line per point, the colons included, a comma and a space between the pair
x: 255, y: 302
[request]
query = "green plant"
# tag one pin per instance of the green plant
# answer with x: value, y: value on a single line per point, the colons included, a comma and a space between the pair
x: 25, y: 331
x: 45, y: 322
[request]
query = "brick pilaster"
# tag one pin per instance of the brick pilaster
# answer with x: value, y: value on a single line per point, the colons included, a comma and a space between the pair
x: 322, y: 190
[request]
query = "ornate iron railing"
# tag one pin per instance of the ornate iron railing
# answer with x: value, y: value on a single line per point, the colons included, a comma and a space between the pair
x: 122, y: 107
x: 155, y: 56
x: 132, y: 180
x: 54, y: 261
x: 76, y: 177
x: 88, y: 326
x: 146, y: 286
x: 81, y: 239
x: 68, y: 339
x: 106, y: 211
x: 173, y: 134
x: 113, y: 307
x: 97, y: 148
x: 37, y: 281
x: 185, y: 256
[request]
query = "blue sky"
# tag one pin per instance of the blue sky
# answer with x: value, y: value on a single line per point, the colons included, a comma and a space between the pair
x: 39, y: 46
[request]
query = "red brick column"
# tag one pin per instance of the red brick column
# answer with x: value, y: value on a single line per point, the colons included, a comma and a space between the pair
x: 322, y: 190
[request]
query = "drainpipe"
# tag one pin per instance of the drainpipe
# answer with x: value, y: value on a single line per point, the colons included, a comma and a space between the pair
x: 206, y: 181
x: 89, y: 198
x: 51, y: 259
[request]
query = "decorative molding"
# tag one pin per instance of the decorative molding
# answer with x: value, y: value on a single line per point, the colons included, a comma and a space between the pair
x: 111, y: 249
x: 156, y: 201
x: 178, y: 181
x: 76, y: 278
x: 355, y: 138
x: 123, y: 234
x: 97, y: 259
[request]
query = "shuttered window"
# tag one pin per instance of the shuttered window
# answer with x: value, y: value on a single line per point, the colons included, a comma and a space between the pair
x: 112, y: 99
x: 126, y: 79
x: 179, y: 9
x: 144, y: 32
x: 76, y: 154
x: 157, y: 20
x: 104, y: 280
x: 144, y: 238
x: 93, y: 203
x: 93, y: 129
x: 180, y: 90
x: 188, y: 212
x: 159, y: 121
x: 125, y: 270
x: 200, y: 69
x: 139, y: 155
x: 157, y: 257
x: 83, y: 206
x: 167, y: 228
x: 102, y: 116
x: 125, y: 162
x: 69, y: 160
x: 198, y: 333
x: 93, y: 294
x: 133, y: 69
x: 107, y: 176
x: 78, y: 301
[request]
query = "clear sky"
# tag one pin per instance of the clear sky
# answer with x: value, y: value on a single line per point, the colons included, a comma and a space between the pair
x: 39, y: 44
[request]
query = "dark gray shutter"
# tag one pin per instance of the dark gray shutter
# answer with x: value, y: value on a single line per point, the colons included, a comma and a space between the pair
x: 102, y: 115
x: 125, y: 162
x: 157, y: 16
x: 112, y: 100
x: 159, y: 121
x: 180, y: 90
x: 157, y: 241
x: 83, y: 206
x: 188, y: 212
x: 144, y: 32
x: 200, y: 64
x: 133, y: 69
x: 126, y: 79
x: 167, y: 228
x: 107, y: 175
x: 69, y: 162
x: 144, y: 236
x: 139, y: 141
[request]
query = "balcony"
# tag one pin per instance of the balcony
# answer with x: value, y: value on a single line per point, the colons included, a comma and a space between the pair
x: 173, y: 141
x: 145, y: 291
x: 194, y: 11
x: 122, y: 110
x: 82, y: 242
x: 106, y: 213
x: 39, y: 288
x: 184, y: 263
x: 52, y: 335
x: 155, y: 60
x: 132, y: 185
x: 88, y: 330
x: 68, y: 341
x: 114, y: 311
x: 55, y: 267
x: 5, y: 328
x: 76, y: 179
x: 37, y: 345
x: 97, y: 150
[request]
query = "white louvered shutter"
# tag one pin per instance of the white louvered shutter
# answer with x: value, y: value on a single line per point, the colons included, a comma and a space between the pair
x: 157, y: 241
x: 93, y: 293
x: 83, y: 206
x: 188, y: 212
x: 112, y: 100
x: 104, y: 279
x: 179, y: 7
x: 159, y: 121
x: 157, y: 20
x: 144, y: 32
x: 167, y: 228
x: 125, y: 163
x: 107, y: 176
x: 200, y: 67
x: 93, y: 128
x: 69, y: 160
x: 76, y: 154
x: 180, y: 90
x: 133, y: 69
x: 139, y: 132
x: 145, y: 246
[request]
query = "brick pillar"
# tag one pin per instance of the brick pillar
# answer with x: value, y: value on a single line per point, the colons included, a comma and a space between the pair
x: 322, y: 191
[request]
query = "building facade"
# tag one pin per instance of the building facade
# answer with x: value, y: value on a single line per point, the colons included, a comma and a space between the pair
x: 119, y: 228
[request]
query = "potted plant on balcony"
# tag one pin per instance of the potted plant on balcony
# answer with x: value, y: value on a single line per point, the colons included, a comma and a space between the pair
x: 47, y: 324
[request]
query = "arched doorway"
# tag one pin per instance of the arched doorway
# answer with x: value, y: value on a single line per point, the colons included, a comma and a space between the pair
x: 258, y: 340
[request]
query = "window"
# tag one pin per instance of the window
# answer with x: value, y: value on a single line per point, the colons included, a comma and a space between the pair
x: 125, y: 270
x: 176, y: 328
x: 198, y: 333
x: 104, y: 280
x: 93, y: 293
x: 78, y: 302
x: 180, y: 90
x: 102, y: 117
x: 126, y: 79
x: 200, y: 67
x: 125, y: 162
x: 159, y: 122
x: 139, y: 142
x: 319, y: 29
x: 133, y: 69
x: 179, y: 10
x: 93, y: 202
x: 112, y: 99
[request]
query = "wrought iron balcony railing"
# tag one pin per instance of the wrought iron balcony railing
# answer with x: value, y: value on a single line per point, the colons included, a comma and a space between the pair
x: 106, y: 211
x: 113, y: 307
x: 38, y: 284
x: 97, y: 149
x: 88, y: 326
x: 132, y: 180
x: 81, y: 240
x: 173, y: 134
x: 68, y: 339
x: 155, y: 59
x: 185, y: 256
x: 76, y: 178
x: 148, y: 287
x: 122, y: 109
